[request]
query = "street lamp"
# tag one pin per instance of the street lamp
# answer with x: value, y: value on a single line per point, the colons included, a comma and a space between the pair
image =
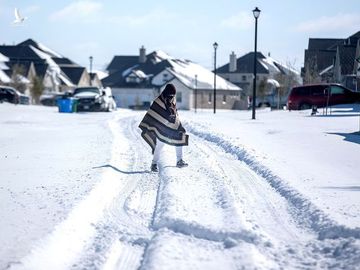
x: 195, y: 92
x: 256, y: 13
x: 91, y: 60
x: 215, y: 47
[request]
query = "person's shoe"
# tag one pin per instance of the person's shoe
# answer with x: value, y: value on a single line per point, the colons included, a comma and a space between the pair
x: 154, y: 167
x: 181, y: 164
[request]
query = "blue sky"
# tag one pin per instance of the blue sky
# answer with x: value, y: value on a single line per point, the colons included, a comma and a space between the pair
x: 184, y: 29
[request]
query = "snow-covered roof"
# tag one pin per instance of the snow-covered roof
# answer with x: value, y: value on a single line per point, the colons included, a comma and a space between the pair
x: 101, y: 74
x: 161, y: 56
x: 160, y: 63
x: 65, y: 80
x: 3, y: 66
x: 139, y: 73
x: 47, y: 58
x: 47, y: 50
x: 269, y: 64
x: 326, y: 70
x: 3, y: 58
x: 43, y: 48
x: 3, y: 77
x: 186, y: 71
x: 273, y: 82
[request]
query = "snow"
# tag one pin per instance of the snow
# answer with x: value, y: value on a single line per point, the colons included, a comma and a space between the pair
x: 326, y: 70
x: 186, y: 71
x: 47, y: 58
x: 101, y: 74
x: 161, y: 56
x: 278, y: 192
x: 3, y: 77
x: 275, y: 83
x: 3, y: 58
x: 48, y: 50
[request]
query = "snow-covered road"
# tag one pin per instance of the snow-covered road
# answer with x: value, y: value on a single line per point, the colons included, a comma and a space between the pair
x: 224, y: 211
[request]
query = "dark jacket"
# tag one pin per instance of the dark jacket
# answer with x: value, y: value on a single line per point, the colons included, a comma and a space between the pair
x: 161, y: 122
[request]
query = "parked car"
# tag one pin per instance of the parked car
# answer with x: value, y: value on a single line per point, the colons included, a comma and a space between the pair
x: 94, y: 99
x: 320, y: 95
x: 10, y: 94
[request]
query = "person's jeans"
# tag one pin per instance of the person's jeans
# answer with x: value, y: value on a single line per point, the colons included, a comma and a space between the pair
x: 158, y: 148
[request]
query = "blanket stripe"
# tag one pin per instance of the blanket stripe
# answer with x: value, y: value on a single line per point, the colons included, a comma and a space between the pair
x: 157, y: 124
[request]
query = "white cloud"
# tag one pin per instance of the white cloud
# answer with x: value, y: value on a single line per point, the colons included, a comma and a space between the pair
x: 84, y: 10
x: 243, y: 20
x: 146, y: 19
x: 346, y: 22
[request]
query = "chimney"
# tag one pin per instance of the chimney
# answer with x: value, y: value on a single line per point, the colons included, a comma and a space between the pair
x: 232, y: 65
x: 142, y: 56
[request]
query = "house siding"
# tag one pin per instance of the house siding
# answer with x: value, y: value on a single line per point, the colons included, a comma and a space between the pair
x: 125, y: 97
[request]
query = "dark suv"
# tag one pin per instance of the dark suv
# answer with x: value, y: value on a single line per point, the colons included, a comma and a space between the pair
x: 9, y: 94
x: 320, y: 95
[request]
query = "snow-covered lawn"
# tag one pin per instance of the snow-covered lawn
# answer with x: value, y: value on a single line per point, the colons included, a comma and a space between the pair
x: 278, y: 192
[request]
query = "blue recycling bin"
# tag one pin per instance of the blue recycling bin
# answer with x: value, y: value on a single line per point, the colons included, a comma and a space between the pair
x: 67, y: 105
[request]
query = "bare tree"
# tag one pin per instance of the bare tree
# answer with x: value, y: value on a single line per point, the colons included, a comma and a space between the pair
x: 18, y: 71
x: 261, y: 89
x: 286, y: 80
x: 311, y: 71
x: 36, y: 89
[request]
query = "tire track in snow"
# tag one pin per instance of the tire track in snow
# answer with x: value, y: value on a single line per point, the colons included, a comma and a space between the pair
x: 264, y: 209
x: 304, y: 210
x: 193, y: 206
x: 108, y: 228
x: 124, y: 232
x: 311, y: 249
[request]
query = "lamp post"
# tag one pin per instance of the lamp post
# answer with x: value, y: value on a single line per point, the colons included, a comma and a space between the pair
x: 91, y: 60
x: 215, y: 45
x: 256, y: 13
x: 195, y: 92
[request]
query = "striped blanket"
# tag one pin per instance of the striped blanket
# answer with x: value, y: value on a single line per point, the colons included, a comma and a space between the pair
x: 159, y: 124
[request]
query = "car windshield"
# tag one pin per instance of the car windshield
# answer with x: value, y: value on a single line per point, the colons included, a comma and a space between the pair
x: 87, y: 89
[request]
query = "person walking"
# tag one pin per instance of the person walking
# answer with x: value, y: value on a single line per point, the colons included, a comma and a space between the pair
x: 161, y: 125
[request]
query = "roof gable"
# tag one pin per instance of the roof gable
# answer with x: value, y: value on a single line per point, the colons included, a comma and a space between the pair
x: 323, y: 43
x: 73, y: 73
x: 347, y: 58
x: 320, y: 59
x: 245, y: 64
x: 19, y: 53
x: 122, y: 62
x: 29, y: 42
x: 64, y: 61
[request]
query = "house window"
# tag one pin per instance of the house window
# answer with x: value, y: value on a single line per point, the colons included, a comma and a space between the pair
x: 244, y: 78
x: 178, y: 97
x: 224, y: 99
x: 209, y: 99
x: 165, y: 77
x: 132, y: 79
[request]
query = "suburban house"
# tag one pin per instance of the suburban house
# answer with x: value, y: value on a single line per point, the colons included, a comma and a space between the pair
x: 30, y: 59
x: 95, y: 79
x: 137, y: 80
x: 333, y: 60
x: 271, y: 76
